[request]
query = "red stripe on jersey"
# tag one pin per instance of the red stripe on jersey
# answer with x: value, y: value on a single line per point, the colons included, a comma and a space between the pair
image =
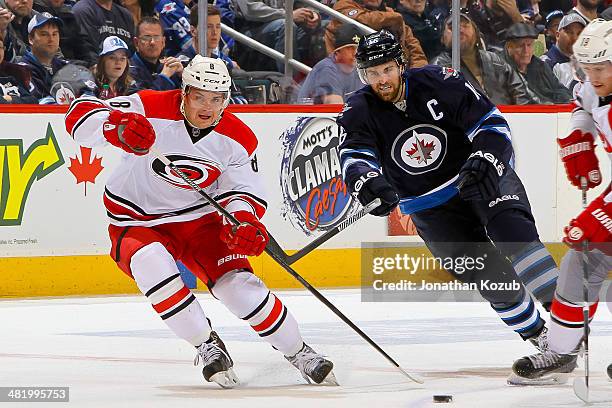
x: 272, y: 317
x: 570, y: 313
x: 78, y: 110
x: 118, y: 209
x: 172, y: 300
x: 237, y: 130
x: 162, y: 104
x: 608, y: 142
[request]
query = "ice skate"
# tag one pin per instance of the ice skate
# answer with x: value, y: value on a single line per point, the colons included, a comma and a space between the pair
x: 546, y: 368
x: 313, y: 366
x: 217, y: 362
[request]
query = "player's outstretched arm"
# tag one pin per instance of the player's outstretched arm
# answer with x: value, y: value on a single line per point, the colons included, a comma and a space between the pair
x: 119, y: 121
x: 359, y: 158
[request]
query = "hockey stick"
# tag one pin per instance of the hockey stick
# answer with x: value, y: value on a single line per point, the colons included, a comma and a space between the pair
x: 279, y: 257
x: 290, y: 259
x: 581, y: 385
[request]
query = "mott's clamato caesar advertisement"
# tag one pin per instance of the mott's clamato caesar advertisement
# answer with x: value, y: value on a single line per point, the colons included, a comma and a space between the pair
x: 315, y: 196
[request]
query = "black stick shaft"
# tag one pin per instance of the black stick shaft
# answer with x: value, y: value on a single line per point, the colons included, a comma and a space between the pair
x: 281, y: 260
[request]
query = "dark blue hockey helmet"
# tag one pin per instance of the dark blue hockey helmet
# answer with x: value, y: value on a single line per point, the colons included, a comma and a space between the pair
x: 378, y: 48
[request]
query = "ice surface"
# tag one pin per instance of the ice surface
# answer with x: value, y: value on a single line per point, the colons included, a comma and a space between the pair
x: 115, y: 351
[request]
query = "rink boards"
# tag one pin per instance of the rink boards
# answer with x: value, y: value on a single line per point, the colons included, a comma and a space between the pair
x: 53, y: 227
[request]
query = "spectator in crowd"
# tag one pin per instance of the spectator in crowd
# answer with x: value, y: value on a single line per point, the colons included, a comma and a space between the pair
x: 423, y: 26
x: 530, y: 10
x: 499, y: 16
x: 551, y: 27
x: 174, y: 16
x: 103, y: 18
x: 264, y: 21
x: 558, y: 57
x: 112, y: 71
x: 376, y: 15
x: 17, y: 31
x: 587, y: 9
x: 6, y: 16
x: 133, y: 6
x: 485, y: 70
x: 147, y: 67
x: 14, y: 82
x: 74, y: 43
x: 333, y: 78
x: 42, y: 60
x: 518, y: 52
x: 213, y: 37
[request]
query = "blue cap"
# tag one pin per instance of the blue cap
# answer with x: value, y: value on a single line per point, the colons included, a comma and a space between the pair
x: 552, y: 15
x: 41, y: 19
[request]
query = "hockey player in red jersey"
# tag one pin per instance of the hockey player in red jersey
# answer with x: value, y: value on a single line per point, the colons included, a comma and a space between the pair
x: 590, y: 118
x: 157, y: 219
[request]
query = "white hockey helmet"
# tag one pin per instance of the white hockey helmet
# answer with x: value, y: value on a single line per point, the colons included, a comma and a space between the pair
x: 208, y: 74
x: 594, y: 45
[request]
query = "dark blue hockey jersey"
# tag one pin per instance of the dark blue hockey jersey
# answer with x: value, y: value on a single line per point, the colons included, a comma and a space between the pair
x: 174, y: 16
x: 421, y: 148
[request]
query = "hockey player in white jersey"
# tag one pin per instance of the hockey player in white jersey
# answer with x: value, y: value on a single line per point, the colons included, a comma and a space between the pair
x: 591, y: 117
x: 157, y: 219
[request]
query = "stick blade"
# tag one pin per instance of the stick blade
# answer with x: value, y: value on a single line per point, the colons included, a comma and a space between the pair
x: 581, y: 390
x: 591, y: 396
x: 412, y: 377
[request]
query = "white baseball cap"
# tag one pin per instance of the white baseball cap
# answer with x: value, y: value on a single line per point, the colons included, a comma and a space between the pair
x: 112, y: 44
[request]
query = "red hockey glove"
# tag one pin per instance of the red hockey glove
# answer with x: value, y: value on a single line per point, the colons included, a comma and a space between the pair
x: 594, y: 224
x: 578, y: 156
x: 248, y: 238
x: 130, y: 131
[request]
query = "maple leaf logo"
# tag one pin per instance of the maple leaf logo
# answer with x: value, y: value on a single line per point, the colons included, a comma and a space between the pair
x: 421, y: 151
x: 85, y: 171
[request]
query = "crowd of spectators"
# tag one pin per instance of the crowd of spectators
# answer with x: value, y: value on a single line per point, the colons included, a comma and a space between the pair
x: 514, y: 51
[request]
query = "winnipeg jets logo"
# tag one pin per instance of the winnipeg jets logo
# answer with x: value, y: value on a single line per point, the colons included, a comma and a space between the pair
x: 420, y: 149
x: 168, y: 8
x: 448, y: 73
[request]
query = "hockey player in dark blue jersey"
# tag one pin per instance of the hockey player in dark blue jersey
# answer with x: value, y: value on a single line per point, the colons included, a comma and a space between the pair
x: 426, y: 140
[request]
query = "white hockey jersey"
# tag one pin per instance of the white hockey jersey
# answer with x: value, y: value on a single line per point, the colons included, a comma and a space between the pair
x: 143, y: 191
x: 592, y: 115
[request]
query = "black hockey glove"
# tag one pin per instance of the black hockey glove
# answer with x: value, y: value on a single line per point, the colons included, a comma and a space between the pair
x: 479, y: 177
x: 373, y: 185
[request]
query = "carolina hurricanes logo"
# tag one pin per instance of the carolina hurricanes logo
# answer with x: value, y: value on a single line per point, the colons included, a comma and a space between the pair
x: 201, y: 171
x: 420, y: 149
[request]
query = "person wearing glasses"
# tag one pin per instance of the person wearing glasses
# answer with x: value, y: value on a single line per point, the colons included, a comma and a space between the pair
x: 103, y: 18
x: 147, y: 66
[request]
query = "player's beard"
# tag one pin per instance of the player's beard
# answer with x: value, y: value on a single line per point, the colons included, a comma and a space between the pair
x: 391, y: 93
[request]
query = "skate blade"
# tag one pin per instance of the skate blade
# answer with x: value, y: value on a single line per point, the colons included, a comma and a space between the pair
x: 551, y: 379
x: 226, y: 379
x: 330, y: 379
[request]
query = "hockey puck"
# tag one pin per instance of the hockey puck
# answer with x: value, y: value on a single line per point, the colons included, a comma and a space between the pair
x: 610, y: 371
x: 442, y: 398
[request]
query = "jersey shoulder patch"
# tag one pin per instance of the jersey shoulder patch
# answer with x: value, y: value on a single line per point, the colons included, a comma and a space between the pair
x: 161, y: 104
x: 232, y: 127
